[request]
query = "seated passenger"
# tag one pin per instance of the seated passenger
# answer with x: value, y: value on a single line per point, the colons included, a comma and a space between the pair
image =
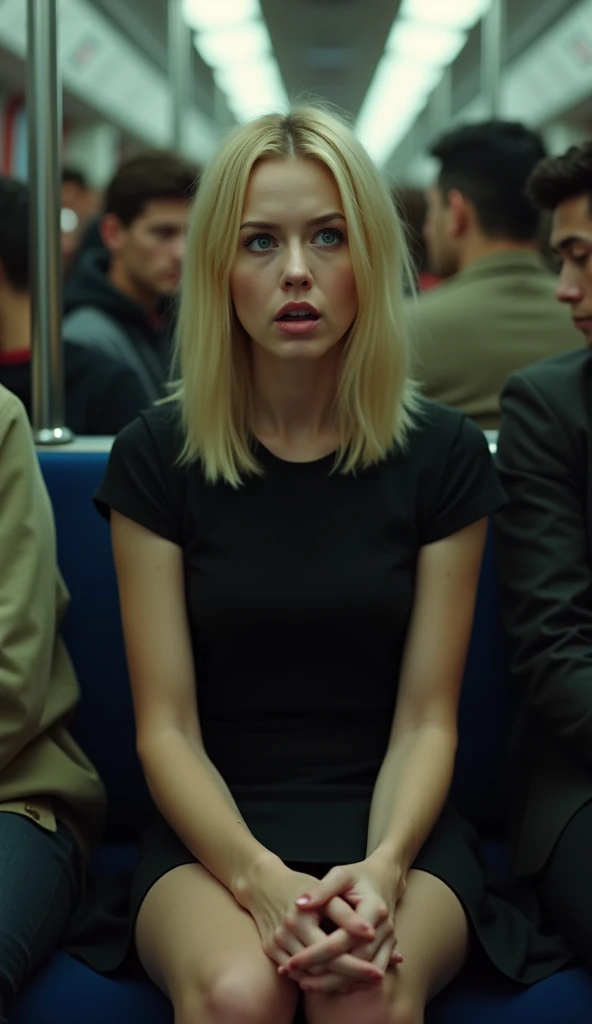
x: 101, y: 395
x: 545, y: 556
x: 118, y: 299
x: 496, y: 312
x: 51, y: 800
x: 298, y: 537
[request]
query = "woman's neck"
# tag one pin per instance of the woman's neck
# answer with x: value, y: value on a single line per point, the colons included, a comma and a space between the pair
x: 294, y: 402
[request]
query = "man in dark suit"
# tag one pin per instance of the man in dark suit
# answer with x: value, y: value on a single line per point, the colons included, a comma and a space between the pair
x: 545, y: 559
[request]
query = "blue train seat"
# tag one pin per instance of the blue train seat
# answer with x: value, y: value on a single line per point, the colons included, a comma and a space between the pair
x: 65, y: 990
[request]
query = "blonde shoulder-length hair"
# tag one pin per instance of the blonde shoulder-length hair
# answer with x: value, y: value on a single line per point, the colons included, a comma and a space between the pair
x: 376, y: 398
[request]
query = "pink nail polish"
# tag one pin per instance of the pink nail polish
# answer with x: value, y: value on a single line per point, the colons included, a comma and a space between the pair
x: 303, y: 901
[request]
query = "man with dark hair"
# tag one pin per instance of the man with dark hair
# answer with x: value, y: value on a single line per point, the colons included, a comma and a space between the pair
x: 497, y: 312
x: 102, y: 396
x: 545, y: 561
x: 116, y: 299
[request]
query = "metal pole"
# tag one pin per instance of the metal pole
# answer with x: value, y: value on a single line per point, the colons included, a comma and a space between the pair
x: 179, y: 71
x: 440, y: 106
x: 492, y: 52
x: 44, y: 117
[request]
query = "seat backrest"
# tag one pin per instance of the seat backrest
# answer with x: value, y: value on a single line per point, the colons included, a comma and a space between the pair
x: 103, y: 724
x: 487, y: 708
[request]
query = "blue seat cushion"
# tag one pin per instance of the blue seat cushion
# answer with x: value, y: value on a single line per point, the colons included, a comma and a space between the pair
x: 564, y: 998
x: 104, y: 721
x: 67, y: 992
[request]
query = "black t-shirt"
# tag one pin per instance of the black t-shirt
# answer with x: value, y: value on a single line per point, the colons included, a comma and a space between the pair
x: 299, y: 590
x: 102, y: 395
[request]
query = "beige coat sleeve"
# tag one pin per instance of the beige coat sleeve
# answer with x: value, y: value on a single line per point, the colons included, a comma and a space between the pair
x: 28, y: 598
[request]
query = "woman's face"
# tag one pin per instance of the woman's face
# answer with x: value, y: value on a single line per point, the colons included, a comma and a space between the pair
x: 292, y: 281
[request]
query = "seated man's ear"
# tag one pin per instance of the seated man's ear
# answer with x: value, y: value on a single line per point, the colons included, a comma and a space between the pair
x: 462, y: 214
x: 113, y: 232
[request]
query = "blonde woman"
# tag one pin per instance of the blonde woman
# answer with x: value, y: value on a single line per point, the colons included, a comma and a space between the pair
x: 297, y: 538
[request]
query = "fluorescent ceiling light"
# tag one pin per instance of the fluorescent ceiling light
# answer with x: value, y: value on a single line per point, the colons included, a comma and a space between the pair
x: 437, y: 45
x: 426, y: 37
x: 203, y: 15
x: 239, y: 45
x: 252, y: 89
x: 232, y: 38
x: 460, y: 14
x: 396, y: 96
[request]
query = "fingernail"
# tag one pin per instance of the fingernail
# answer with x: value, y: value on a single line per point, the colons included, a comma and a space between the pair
x: 303, y: 901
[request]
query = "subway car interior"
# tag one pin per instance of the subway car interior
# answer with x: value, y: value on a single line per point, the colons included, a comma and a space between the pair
x: 86, y: 85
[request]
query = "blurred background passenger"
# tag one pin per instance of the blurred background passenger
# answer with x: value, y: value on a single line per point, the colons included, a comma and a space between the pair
x: 497, y: 313
x: 51, y: 799
x: 412, y: 206
x: 116, y: 300
x: 102, y: 395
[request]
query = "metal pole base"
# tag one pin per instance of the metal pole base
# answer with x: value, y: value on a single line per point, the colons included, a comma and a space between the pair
x: 53, y: 436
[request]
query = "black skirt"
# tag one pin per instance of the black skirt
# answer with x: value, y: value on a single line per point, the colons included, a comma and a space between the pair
x: 506, y: 928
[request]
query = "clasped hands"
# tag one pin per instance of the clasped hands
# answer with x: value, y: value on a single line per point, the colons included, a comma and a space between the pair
x: 337, y: 934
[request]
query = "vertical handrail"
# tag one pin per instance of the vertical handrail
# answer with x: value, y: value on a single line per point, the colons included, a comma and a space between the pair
x: 44, y: 117
x: 440, y: 106
x: 179, y: 68
x: 492, y: 55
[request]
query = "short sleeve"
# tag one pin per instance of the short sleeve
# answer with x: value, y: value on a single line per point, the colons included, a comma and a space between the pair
x: 139, y: 481
x: 466, y: 485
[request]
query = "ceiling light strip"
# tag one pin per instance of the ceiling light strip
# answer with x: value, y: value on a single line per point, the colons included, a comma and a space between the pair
x: 233, y: 39
x: 426, y: 37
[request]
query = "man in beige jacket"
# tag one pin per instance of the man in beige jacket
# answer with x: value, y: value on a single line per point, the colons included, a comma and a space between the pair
x: 51, y: 799
x: 496, y: 312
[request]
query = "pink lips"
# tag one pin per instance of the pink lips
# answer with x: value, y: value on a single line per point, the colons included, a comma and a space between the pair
x: 297, y: 326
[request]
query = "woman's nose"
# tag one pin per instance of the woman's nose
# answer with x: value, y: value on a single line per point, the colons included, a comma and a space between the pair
x: 296, y: 271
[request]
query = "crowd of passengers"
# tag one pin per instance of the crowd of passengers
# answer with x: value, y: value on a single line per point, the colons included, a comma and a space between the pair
x: 299, y: 371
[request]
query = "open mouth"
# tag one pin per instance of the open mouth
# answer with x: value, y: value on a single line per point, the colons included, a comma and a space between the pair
x: 295, y: 316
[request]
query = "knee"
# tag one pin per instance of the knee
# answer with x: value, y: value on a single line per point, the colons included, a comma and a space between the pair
x: 240, y: 996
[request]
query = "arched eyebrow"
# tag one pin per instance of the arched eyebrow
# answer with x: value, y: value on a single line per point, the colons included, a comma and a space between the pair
x: 261, y: 225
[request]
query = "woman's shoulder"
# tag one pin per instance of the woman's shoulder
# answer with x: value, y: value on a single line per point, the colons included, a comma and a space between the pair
x: 437, y: 428
x: 157, y: 428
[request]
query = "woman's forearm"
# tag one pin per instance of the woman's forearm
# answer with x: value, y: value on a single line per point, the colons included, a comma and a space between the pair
x: 196, y: 802
x: 410, y: 791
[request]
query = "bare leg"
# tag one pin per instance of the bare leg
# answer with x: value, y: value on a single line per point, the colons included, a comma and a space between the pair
x: 432, y: 935
x: 203, y: 950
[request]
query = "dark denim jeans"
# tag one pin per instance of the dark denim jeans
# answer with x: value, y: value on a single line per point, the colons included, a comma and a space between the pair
x: 39, y: 886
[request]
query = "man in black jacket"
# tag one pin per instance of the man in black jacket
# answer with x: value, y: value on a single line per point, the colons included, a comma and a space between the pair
x: 102, y: 395
x: 118, y: 298
x: 545, y: 559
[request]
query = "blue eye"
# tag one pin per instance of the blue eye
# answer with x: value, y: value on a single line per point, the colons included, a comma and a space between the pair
x: 330, y: 237
x: 263, y: 240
